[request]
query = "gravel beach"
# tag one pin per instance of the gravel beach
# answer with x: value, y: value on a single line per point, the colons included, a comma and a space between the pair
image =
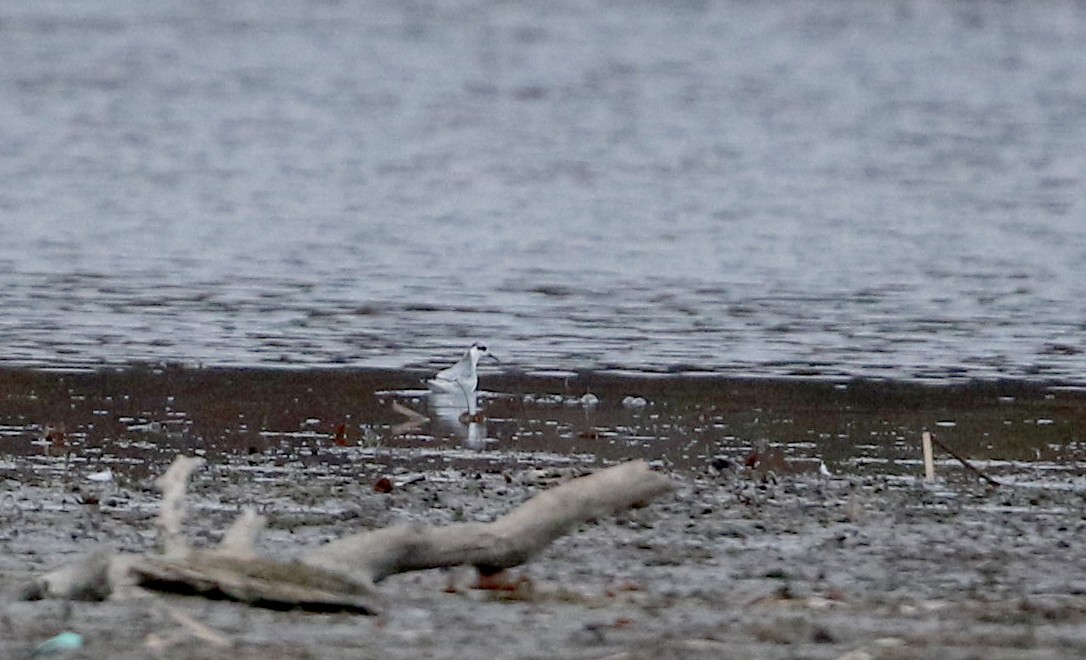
x: 770, y: 561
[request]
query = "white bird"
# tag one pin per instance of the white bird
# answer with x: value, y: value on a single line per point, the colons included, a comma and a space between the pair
x: 462, y: 378
x: 101, y: 477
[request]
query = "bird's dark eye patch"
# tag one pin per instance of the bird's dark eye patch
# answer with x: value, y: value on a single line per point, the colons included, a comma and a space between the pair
x: 481, y: 347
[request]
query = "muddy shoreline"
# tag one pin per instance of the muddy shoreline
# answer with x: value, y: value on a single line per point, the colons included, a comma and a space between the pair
x: 773, y: 561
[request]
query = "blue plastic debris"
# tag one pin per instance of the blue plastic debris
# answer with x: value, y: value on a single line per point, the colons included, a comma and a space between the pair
x: 65, y: 641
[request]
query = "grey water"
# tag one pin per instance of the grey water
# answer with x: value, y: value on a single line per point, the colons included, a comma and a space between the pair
x: 833, y: 189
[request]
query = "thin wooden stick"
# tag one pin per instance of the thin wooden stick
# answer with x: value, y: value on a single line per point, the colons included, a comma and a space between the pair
x: 975, y: 470
x: 929, y: 460
x: 414, y: 422
x: 411, y: 415
x: 196, y: 628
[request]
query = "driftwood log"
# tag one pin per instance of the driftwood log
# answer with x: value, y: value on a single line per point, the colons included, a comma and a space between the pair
x: 341, y: 575
x: 509, y: 541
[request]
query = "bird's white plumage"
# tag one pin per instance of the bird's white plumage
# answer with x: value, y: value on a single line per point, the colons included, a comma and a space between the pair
x: 462, y: 378
x: 102, y: 476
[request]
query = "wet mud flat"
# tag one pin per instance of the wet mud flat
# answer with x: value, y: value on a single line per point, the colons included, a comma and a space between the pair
x: 774, y: 560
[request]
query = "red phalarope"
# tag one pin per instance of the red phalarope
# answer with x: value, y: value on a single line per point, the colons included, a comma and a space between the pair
x: 462, y: 378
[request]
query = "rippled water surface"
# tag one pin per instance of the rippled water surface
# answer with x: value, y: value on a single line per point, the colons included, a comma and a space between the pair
x: 846, y: 188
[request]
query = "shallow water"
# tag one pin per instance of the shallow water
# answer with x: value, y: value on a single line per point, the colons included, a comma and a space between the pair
x: 260, y: 422
x: 842, y: 189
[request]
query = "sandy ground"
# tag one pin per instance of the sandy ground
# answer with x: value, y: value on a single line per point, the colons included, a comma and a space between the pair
x: 732, y: 564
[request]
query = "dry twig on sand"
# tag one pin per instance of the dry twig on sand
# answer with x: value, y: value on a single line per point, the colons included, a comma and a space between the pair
x: 414, y: 422
x: 972, y: 468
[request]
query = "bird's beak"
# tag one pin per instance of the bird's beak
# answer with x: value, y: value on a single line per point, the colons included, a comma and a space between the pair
x: 493, y: 357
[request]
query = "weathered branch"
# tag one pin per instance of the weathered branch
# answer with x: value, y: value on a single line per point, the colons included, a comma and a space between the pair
x: 340, y: 575
x: 509, y: 541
